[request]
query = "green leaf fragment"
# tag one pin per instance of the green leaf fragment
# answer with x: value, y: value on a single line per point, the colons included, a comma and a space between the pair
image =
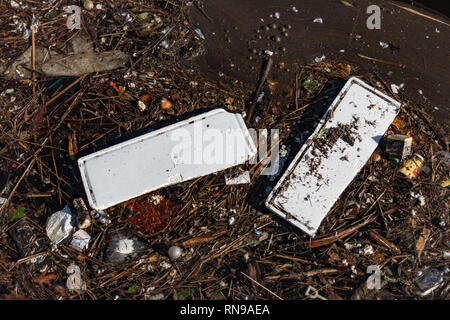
x: 54, y: 14
x: 18, y: 213
x: 132, y: 289
x: 143, y: 15
x: 310, y: 86
x: 186, y: 293
x: 323, y: 131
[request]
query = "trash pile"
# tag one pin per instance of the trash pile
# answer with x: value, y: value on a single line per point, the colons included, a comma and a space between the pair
x: 93, y: 204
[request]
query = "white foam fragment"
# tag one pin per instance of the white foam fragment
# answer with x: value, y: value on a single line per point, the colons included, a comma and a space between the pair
x: 195, y: 147
x: 242, y: 178
x: 318, y: 20
x: 305, y: 193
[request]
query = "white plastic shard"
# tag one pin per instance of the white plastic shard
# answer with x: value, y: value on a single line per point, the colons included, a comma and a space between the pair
x: 242, y: 178
x: 325, y: 165
x: 195, y: 147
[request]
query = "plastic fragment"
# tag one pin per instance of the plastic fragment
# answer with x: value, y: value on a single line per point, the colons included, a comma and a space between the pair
x: 59, y: 225
x: 80, y: 240
x: 74, y: 281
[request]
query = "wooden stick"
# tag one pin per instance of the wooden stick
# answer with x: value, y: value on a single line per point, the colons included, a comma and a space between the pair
x: 339, y: 234
x: 259, y: 284
x: 382, y: 61
x: 65, y: 89
x: 251, y: 110
x: 33, y: 56
x: 30, y: 165
x: 384, y: 242
x: 421, y: 14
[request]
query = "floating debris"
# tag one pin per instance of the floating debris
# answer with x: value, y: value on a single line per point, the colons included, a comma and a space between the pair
x: 242, y: 178
x: 319, y: 59
x: 175, y: 252
x: 395, y: 88
x: 82, y: 213
x: 413, y: 166
x: 105, y: 172
x: 60, y: 225
x: 166, y: 104
x: 74, y: 281
x: 429, y: 281
x: 80, y: 240
x: 141, y: 106
x: 200, y: 33
x: 347, y: 139
x: 82, y: 61
x: 318, y: 20
x: 88, y: 4
x: 122, y: 247
x: 399, y: 146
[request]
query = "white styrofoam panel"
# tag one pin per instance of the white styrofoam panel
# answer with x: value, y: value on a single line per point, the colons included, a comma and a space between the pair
x: 198, y: 146
x: 304, y: 196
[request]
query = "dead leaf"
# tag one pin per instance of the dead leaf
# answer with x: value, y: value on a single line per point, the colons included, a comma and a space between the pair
x: 378, y: 258
x: 252, y: 270
x: 333, y: 258
x: 60, y: 291
x: 146, y: 98
x: 229, y: 101
x: 45, y: 279
x: 422, y: 241
x: 13, y: 296
x: 73, y: 148
x: 413, y: 222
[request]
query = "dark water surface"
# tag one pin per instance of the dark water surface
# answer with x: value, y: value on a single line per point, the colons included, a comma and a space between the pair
x: 420, y: 43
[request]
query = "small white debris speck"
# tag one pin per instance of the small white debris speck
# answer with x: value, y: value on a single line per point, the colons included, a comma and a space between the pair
x: 353, y: 268
x: 200, y: 33
x: 318, y: 20
x: 165, y: 44
x: 141, y: 106
x: 319, y: 59
x: 395, y: 87
x: 368, y: 250
x: 422, y: 201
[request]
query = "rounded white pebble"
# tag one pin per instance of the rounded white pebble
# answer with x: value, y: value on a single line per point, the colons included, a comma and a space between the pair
x: 174, y: 252
x: 88, y: 4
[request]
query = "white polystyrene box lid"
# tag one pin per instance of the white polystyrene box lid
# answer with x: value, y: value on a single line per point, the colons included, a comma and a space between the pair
x: 198, y: 146
x: 303, y: 197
